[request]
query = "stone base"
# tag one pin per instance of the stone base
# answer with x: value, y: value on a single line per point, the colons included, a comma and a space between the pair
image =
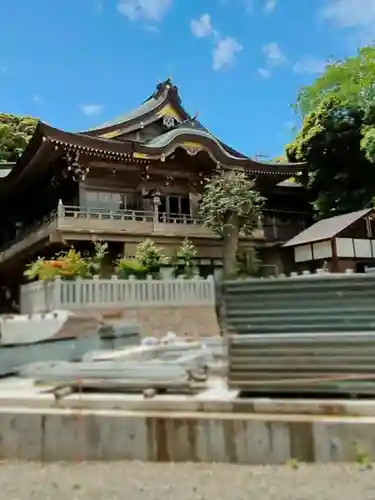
x: 189, y: 321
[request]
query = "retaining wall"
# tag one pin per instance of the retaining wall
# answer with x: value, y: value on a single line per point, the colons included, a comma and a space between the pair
x: 59, y: 434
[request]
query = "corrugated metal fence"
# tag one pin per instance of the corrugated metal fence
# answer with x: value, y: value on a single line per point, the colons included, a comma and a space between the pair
x: 310, y: 333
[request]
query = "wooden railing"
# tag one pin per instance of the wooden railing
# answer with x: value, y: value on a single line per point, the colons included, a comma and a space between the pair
x: 70, y: 219
x: 44, y: 296
x: 105, y: 214
x: 126, y: 215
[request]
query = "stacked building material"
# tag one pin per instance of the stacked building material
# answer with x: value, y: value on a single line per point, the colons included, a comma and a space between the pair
x: 302, y: 333
x: 70, y: 340
x: 321, y: 363
x: 178, y: 367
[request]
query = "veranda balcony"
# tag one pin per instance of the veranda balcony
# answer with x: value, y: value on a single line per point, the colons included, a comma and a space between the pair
x: 79, y: 223
x: 71, y: 223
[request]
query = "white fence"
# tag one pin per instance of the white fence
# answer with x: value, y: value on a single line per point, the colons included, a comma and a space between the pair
x: 44, y: 296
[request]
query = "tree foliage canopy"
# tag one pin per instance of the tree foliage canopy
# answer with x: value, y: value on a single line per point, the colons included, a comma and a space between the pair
x: 15, y: 133
x: 230, y: 206
x: 341, y: 176
x: 337, y: 137
x: 350, y: 80
x: 227, y: 194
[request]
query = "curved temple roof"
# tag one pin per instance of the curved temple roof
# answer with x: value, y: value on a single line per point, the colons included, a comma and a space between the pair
x: 188, y: 133
x: 165, y: 93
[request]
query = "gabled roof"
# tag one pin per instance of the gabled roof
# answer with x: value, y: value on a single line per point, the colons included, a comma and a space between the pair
x: 327, y: 229
x: 151, y: 109
x: 185, y: 135
x: 105, y: 141
x: 165, y: 100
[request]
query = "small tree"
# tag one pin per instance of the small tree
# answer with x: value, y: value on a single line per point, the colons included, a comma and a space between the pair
x: 230, y: 206
x: 150, y: 256
x: 183, y: 261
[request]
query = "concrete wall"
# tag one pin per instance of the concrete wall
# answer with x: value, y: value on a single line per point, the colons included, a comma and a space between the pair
x: 59, y: 434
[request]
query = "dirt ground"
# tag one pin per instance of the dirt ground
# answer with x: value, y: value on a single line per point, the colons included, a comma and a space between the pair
x: 141, y: 481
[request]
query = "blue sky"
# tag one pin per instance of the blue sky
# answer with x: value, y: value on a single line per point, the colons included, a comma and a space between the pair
x: 239, y: 63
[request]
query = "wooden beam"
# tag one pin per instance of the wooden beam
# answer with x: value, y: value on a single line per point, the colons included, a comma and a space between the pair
x: 335, y: 260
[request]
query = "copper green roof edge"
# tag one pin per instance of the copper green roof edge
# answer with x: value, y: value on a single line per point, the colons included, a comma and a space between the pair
x: 144, y: 108
x: 165, y: 139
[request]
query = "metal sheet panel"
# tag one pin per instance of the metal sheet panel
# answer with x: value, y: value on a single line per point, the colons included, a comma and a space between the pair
x: 306, y: 327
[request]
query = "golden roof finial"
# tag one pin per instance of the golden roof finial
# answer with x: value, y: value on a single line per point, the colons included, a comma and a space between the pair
x: 168, y: 82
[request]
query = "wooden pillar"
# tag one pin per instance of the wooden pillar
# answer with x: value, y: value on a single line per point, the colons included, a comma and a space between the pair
x: 274, y: 227
x: 156, y: 202
x: 194, y: 204
x: 335, y: 259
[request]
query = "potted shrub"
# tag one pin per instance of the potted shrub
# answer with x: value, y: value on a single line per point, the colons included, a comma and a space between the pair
x: 127, y: 267
x: 65, y: 265
x: 151, y: 257
x: 183, y: 263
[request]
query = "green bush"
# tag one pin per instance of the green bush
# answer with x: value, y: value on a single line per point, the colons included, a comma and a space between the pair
x: 183, y: 263
x: 150, y: 256
x: 126, y: 268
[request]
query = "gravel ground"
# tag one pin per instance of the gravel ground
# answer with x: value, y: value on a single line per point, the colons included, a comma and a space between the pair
x: 138, y: 481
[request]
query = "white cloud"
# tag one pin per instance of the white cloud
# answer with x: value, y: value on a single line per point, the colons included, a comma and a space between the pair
x: 266, y: 73
x: 202, y: 27
x: 37, y: 98
x: 270, y: 6
x: 226, y: 48
x: 309, y: 65
x: 225, y: 52
x: 151, y: 28
x: 350, y: 13
x: 274, y: 55
x: 146, y: 10
x: 249, y: 6
x: 91, y: 109
x: 99, y: 7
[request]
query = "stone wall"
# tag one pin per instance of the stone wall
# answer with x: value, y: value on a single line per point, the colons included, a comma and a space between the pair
x: 188, y: 320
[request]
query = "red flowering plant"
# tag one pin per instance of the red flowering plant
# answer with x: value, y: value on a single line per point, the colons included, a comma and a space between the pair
x: 65, y: 265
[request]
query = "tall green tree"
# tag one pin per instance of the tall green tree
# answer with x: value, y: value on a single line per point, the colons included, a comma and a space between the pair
x: 341, y: 178
x: 230, y: 206
x: 348, y: 80
x: 337, y: 136
x: 15, y: 133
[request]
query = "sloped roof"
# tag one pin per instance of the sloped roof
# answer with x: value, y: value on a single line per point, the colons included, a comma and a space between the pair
x: 165, y: 139
x: 165, y: 93
x: 149, y: 105
x: 327, y: 229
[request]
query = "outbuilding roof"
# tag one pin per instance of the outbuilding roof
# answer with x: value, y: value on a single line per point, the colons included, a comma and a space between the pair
x: 327, y: 229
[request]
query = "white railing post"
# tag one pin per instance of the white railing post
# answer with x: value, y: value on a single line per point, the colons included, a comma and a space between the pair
x: 56, y: 293
x: 101, y: 293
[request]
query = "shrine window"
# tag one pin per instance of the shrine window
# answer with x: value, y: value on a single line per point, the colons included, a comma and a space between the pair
x: 175, y: 205
x: 103, y: 201
x: 108, y: 201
